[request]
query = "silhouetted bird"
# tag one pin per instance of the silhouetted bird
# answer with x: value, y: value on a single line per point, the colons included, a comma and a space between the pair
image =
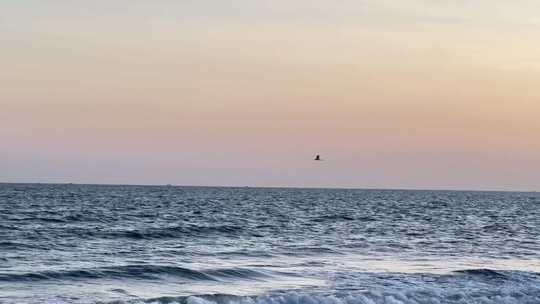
x: 318, y: 157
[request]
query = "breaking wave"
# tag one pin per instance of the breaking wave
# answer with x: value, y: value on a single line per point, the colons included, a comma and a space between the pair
x: 407, y: 296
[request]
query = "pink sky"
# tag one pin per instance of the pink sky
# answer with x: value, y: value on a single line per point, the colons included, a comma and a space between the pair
x: 416, y: 95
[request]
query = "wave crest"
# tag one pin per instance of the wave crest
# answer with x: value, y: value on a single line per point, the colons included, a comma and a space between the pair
x: 152, y: 272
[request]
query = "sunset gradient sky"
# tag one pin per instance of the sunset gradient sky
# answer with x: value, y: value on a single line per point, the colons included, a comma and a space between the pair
x: 393, y: 94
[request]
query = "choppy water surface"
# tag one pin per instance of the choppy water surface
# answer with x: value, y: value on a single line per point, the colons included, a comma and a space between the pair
x: 88, y: 244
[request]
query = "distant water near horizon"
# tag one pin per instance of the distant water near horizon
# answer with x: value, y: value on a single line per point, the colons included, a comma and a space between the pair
x: 204, y: 245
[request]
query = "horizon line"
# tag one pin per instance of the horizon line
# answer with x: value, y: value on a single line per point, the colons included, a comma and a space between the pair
x: 266, y: 187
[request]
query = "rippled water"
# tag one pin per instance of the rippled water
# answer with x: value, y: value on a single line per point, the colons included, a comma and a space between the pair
x: 195, y: 245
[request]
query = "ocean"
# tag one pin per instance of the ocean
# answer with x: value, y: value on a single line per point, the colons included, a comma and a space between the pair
x: 205, y: 245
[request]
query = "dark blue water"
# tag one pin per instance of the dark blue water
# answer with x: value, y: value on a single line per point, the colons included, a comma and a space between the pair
x: 135, y: 244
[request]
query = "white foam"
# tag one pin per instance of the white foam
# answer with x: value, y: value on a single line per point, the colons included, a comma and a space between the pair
x: 411, y: 296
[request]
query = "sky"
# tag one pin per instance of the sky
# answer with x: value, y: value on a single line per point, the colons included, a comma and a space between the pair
x: 421, y: 94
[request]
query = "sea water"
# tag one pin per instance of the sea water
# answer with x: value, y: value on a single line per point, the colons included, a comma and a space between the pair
x: 203, y: 245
